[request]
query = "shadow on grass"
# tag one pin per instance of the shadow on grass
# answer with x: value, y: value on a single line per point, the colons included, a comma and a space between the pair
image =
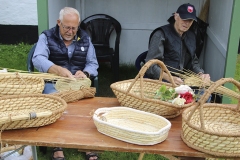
x: 105, y: 77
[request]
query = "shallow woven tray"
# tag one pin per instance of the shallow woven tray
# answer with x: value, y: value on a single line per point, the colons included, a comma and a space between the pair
x: 213, y: 128
x: 131, y: 125
x: 138, y: 93
x: 24, y: 111
x: 16, y: 84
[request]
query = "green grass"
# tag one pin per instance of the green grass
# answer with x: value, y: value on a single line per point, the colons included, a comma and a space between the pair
x: 14, y: 57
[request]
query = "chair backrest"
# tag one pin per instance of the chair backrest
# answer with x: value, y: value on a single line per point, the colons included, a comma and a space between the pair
x: 140, y: 60
x: 30, y: 66
x: 100, y: 27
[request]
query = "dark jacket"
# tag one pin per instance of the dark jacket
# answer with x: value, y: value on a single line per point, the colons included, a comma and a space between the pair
x: 173, y: 45
x: 59, y: 53
x: 178, y: 52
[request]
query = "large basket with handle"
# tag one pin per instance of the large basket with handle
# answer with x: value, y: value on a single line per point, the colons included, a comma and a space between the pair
x: 18, y: 84
x: 139, y: 93
x: 213, y: 128
x: 35, y: 110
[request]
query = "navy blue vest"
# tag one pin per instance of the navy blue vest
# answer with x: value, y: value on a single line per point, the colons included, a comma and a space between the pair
x: 59, y: 53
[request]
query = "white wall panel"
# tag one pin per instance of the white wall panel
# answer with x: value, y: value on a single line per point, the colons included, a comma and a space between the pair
x: 138, y: 19
x: 219, y: 20
x: 15, y: 12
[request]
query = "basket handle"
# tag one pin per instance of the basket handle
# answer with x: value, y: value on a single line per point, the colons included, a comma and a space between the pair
x: 206, y: 95
x: 27, y: 116
x: 145, y: 68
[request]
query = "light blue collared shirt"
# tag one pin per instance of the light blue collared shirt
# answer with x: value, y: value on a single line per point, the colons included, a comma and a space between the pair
x: 41, y: 55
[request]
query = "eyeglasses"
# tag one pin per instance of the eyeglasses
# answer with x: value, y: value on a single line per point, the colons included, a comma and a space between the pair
x: 67, y: 28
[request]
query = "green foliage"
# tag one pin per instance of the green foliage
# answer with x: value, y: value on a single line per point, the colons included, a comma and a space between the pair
x: 165, y: 94
x: 236, y: 77
x: 14, y: 56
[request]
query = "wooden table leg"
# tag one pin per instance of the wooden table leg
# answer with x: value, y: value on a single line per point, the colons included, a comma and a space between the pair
x: 141, y: 156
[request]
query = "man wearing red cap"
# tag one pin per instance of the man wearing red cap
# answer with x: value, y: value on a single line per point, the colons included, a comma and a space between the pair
x: 175, y: 45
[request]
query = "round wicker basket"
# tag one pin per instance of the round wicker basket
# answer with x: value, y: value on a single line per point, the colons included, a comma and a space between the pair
x: 16, y: 84
x: 35, y: 110
x: 139, y: 93
x: 213, y: 128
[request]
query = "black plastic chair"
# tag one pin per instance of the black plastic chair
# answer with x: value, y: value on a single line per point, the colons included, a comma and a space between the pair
x: 30, y: 68
x: 100, y: 28
x: 140, y: 61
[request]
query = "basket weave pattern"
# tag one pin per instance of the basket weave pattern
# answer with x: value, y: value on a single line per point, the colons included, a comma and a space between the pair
x: 16, y: 84
x: 73, y: 95
x: 17, y: 105
x: 139, y: 93
x: 131, y: 125
x: 213, y: 128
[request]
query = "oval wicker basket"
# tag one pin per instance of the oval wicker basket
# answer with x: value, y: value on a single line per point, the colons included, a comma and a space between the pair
x: 35, y: 110
x: 16, y: 84
x: 139, y: 93
x: 213, y: 128
x: 131, y: 125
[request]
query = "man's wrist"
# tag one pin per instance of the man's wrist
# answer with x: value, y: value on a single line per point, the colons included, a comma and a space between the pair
x: 87, y: 74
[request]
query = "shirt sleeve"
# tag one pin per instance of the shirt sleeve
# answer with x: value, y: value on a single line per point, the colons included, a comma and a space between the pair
x: 41, y: 55
x: 155, y: 51
x: 196, y: 66
x: 91, y: 61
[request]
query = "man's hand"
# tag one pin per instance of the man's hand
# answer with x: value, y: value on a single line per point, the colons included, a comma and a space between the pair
x: 205, y: 78
x: 80, y: 74
x: 177, y: 80
x: 60, y: 71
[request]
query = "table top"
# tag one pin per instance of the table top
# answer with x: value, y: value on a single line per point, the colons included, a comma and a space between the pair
x: 76, y: 129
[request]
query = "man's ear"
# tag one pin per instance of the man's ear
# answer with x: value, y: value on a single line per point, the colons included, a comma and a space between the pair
x: 59, y: 22
x: 175, y: 16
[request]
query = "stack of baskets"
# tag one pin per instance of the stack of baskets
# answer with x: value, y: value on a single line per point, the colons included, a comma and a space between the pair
x: 213, y: 128
x: 16, y: 84
x: 22, y: 104
x: 139, y: 93
x: 24, y: 111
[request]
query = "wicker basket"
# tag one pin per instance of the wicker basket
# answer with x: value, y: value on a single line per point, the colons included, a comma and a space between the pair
x: 213, y: 128
x: 24, y: 111
x: 131, y: 125
x: 138, y: 93
x: 73, y: 95
x: 16, y: 84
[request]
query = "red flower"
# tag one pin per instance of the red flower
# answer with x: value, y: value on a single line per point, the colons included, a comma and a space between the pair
x: 187, y: 96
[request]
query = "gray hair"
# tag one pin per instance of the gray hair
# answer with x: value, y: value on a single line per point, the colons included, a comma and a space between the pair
x: 68, y: 10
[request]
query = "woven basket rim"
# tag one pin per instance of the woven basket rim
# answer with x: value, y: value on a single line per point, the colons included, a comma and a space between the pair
x: 220, y: 106
x: 168, y: 104
x: 201, y: 104
x: 167, y: 127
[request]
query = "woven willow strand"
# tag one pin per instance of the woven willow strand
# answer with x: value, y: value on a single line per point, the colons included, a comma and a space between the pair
x: 192, y: 79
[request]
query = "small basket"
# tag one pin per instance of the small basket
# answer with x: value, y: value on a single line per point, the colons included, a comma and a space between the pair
x: 73, y: 95
x: 24, y: 111
x: 139, y: 93
x: 131, y: 125
x: 213, y: 128
x: 17, y: 84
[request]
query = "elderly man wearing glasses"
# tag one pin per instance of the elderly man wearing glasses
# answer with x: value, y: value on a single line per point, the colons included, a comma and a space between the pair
x: 65, y: 50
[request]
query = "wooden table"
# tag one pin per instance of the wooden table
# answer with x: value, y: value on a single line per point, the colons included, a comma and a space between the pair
x: 75, y: 129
